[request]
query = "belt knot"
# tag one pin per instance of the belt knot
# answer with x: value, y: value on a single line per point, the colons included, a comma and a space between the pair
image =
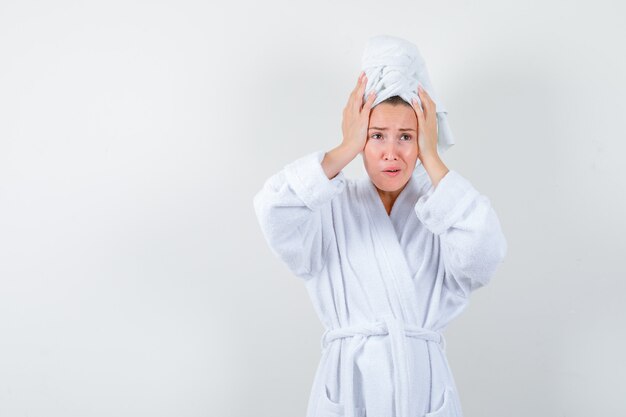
x: 381, y: 328
x: 397, y: 331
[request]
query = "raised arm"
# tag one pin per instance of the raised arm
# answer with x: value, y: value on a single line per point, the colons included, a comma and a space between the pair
x: 471, y: 239
x: 293, y: 209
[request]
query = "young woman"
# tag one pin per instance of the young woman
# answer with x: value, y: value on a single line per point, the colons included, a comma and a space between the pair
x: 388, y: 260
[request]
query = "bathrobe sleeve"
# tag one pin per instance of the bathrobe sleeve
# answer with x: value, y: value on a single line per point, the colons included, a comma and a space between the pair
x: 471, y: 240
x: 293, y: 210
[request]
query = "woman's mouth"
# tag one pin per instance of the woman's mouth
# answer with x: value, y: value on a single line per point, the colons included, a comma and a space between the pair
x: 392, y: 173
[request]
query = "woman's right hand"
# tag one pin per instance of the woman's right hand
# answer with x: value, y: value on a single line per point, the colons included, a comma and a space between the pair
x: 356, y: 116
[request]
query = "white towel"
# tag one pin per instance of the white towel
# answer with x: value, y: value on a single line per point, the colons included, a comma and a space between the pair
x: 393, y: 67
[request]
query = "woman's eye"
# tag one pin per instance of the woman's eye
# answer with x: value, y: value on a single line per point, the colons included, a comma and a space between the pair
x: 407, y: 137
x: 374, y: 135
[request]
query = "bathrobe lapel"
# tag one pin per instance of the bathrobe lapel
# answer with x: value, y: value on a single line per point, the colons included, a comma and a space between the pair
x: 389, y: 249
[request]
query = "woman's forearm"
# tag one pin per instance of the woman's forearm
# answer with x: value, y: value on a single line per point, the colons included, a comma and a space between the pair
x: 337, y: 158
x: 435, y: 168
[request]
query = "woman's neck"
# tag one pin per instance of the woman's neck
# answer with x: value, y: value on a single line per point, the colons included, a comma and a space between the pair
x: 389, y: 197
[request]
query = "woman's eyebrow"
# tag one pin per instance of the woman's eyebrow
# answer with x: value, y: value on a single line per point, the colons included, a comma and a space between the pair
x: 384, y: 128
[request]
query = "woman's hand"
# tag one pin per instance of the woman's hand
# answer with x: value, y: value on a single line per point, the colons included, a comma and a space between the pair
x: 426, y: 125
x: 427, y: 137
x: 356, y: 120
x: 356, y: 117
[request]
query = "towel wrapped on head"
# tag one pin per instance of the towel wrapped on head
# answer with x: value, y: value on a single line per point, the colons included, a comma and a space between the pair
x: 394, y: 67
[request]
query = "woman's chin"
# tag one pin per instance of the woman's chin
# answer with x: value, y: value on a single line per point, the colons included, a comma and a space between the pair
x: 387, y: 183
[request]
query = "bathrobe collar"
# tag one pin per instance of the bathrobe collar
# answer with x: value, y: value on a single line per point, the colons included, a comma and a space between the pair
x: 404, y: 205
x: 391, y: 248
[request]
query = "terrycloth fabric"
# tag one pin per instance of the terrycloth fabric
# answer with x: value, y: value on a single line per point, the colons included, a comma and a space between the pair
x: 384, y: 286
x: 394, y: 66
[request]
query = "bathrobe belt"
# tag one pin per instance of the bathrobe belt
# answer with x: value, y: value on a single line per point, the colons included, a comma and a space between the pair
x: 397, y: 331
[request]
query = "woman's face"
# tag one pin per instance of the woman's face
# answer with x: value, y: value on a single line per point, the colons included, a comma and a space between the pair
x: 391, y: 144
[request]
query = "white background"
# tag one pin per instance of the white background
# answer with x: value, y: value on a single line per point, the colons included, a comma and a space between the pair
x: 134, y: 279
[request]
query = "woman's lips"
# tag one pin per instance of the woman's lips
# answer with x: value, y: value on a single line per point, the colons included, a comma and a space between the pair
x: 391, y: 174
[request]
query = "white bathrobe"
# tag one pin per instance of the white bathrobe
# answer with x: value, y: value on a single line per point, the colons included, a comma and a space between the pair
x: 384, y: 286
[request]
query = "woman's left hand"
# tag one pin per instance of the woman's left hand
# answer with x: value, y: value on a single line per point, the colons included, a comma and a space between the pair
x: 426, y: 125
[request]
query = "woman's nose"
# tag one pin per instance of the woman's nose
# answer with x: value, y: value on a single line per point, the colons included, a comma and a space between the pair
x: 390, y: 151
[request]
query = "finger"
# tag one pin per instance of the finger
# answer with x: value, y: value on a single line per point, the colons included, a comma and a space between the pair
x: 419, y: 113
x: 416, y: 106
x: 421, y: 89
x: 426, y: 97
x: 427, y: 103
x: 368, y: 104
x: 358, y: 84
x: 358, y: 103
x: 359, y: 81
x: 355, y: 92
